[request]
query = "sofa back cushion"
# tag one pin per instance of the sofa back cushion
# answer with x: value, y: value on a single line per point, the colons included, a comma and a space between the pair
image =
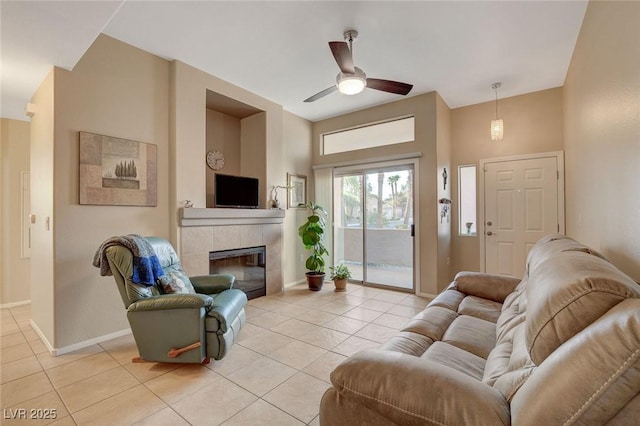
x: 591, y: 379
x: 566, y: 293
x: 551, y: 245
x: 120, y: 261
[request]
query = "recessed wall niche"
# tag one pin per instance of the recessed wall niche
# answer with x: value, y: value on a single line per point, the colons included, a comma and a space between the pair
x: 238, y: 131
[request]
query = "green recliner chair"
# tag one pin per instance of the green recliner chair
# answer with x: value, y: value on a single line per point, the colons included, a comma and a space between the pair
x: 199, y: 320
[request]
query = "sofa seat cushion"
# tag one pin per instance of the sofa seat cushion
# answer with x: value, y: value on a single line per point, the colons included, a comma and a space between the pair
x: 432, y: 323
x: 572, y: 289
x: 480, y: 308
x: 425, y: 328
x: 409, y: 343
x: 474, y: 335
x: 448, y: 299
x: 456, y: 358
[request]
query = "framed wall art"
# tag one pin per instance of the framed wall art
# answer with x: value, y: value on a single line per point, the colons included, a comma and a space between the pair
x: 297, y: 191
x: 117, y: 172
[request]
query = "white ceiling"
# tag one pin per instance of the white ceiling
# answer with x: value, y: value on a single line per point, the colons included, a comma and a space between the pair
x: 279, y: 50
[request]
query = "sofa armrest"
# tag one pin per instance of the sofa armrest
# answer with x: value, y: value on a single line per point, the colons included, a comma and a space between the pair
x: 487, y: 286
x: 226, y: 307
x: 171, y: 301
x: 410, y: 390
x: 212, y: 284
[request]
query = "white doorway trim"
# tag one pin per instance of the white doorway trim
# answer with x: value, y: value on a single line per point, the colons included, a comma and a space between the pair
x: 559, y: 155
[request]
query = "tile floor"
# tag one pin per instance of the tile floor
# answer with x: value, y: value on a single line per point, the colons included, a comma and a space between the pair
x: 274, y: 375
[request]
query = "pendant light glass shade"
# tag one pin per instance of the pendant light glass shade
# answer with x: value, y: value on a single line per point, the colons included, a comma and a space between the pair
x: 497, y: 129
x: 497, y: 126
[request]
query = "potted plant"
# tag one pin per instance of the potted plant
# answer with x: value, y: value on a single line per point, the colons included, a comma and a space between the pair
x: 340, y: 274
x: 312, y: 235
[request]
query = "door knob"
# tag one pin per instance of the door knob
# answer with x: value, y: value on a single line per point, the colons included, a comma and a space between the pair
x: 489, y: 223
x: 489, y: 233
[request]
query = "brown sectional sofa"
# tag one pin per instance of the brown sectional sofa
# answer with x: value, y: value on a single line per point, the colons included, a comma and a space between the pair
x: 561, y: 346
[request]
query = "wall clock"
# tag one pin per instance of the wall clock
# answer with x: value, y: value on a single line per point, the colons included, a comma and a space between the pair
x: 215, y: 160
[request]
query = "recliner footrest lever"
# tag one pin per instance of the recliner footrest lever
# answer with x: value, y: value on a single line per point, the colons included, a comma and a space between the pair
x: 175, y: 352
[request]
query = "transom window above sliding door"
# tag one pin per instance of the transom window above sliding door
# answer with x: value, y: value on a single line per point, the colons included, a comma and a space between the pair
x: 379, y: 134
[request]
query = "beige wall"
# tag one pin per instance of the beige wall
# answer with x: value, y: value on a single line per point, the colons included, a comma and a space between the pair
x: 602, y: 134
x: 443, y: 153
x: 253, y: 150
x: 42, y: 240
x: 115, y: 90
x: 188, y: 133
x: 222, y: 134
x: 14, y: 159
x: 423, y: 107
x: 297, y: 159
x: 533, y: 123
x: 121, y: 91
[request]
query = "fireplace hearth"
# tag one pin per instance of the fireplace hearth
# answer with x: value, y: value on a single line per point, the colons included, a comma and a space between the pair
x: 247, y: 264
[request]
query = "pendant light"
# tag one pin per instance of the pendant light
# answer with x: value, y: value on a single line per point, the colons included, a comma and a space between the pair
x: 497, y: 127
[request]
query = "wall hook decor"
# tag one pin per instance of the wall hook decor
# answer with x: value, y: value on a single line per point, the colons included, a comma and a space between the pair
x: 445, y: 204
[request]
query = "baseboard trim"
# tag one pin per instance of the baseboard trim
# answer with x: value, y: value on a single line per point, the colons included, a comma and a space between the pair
x: 80, y: 345
x: 294, y: 283
x: 90, y: 342
x: 42, y: 337
x: 14, y: 304
x: 429, y: 295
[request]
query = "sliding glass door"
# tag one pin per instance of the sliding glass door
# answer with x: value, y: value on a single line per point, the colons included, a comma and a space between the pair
x: 373, y: 224
x: 348, y: 223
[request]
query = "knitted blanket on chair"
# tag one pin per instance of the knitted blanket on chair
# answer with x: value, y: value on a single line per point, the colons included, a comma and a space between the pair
x: 146, y: 265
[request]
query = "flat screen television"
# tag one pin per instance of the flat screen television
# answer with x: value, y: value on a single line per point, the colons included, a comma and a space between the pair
x: 236, y: 192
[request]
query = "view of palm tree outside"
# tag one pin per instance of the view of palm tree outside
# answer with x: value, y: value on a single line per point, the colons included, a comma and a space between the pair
x: 373, y: 217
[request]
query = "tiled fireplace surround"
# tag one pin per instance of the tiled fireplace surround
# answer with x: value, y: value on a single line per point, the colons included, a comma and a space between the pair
x: 206, y: 230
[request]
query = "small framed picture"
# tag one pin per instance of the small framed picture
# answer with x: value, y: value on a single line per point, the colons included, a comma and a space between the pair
x: 297, y: 184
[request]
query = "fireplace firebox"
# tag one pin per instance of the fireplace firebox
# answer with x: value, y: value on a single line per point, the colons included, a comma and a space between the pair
x: 248, y: 265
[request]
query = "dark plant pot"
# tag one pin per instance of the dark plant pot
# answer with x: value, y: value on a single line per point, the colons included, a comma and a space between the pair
x: 315, y: 280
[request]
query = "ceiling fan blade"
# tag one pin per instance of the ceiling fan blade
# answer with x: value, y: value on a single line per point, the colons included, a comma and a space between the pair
x: 389, y: 86
x: 342, y: 54
x: 319, y: 95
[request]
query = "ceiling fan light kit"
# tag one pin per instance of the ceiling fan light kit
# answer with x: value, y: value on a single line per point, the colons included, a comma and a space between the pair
x: 351, y: 84
x: 351, y: 80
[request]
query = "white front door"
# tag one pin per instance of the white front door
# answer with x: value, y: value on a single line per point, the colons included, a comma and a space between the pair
x: 521, y: 205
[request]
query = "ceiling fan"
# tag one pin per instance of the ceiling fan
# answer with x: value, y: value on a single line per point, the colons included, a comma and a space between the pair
x: 352, y: 80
